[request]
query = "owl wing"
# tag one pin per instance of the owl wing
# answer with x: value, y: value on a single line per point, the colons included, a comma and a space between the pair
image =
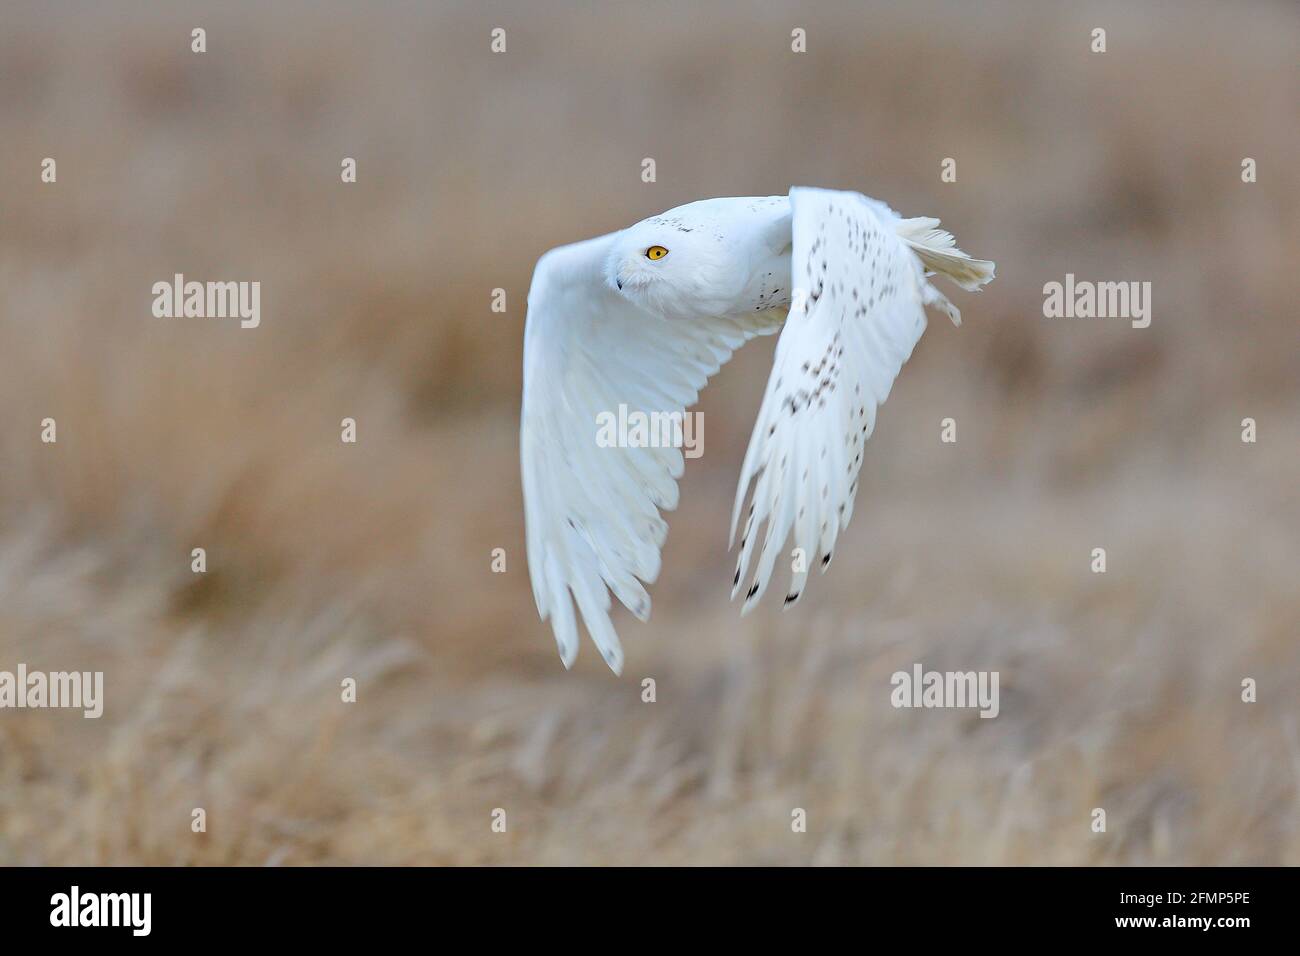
x: 592, y: 513
x: 860, y: 291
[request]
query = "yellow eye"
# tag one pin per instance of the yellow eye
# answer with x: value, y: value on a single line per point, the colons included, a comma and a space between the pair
x: 656, y: 252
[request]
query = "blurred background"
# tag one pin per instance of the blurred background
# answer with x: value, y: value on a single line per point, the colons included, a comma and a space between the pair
x: 1118, y: 690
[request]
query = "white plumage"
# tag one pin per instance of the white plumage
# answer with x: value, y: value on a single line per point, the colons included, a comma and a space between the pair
x: 642, y: 318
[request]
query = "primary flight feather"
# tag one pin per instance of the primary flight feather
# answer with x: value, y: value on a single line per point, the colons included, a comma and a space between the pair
x: 640, y: 319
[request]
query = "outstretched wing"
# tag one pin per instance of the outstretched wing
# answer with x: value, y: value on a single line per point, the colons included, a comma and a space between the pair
x: 592, y: 512
x: 860, y: 293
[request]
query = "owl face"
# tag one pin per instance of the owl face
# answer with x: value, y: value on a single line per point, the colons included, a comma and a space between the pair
x: 665, y: 269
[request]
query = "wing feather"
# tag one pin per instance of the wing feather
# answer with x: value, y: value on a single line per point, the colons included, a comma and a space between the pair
x: 593, y: 513
x: 859, y: 275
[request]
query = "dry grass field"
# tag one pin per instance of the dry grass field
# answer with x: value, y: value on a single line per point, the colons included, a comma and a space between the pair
x: 1119, y: 690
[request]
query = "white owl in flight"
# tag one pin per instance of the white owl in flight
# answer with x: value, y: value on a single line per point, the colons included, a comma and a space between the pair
x: 641, y: 318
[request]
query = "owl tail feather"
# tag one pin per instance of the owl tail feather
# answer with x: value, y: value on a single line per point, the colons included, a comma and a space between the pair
x: 938, y: 251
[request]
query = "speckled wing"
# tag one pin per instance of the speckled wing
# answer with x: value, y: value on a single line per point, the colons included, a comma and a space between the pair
x: 858, y: 310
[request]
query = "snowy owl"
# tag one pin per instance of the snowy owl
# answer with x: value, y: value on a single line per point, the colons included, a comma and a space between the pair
x: 640, y: 319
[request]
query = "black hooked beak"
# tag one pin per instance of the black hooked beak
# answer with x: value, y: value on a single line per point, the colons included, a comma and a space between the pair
x: 619, y: 283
